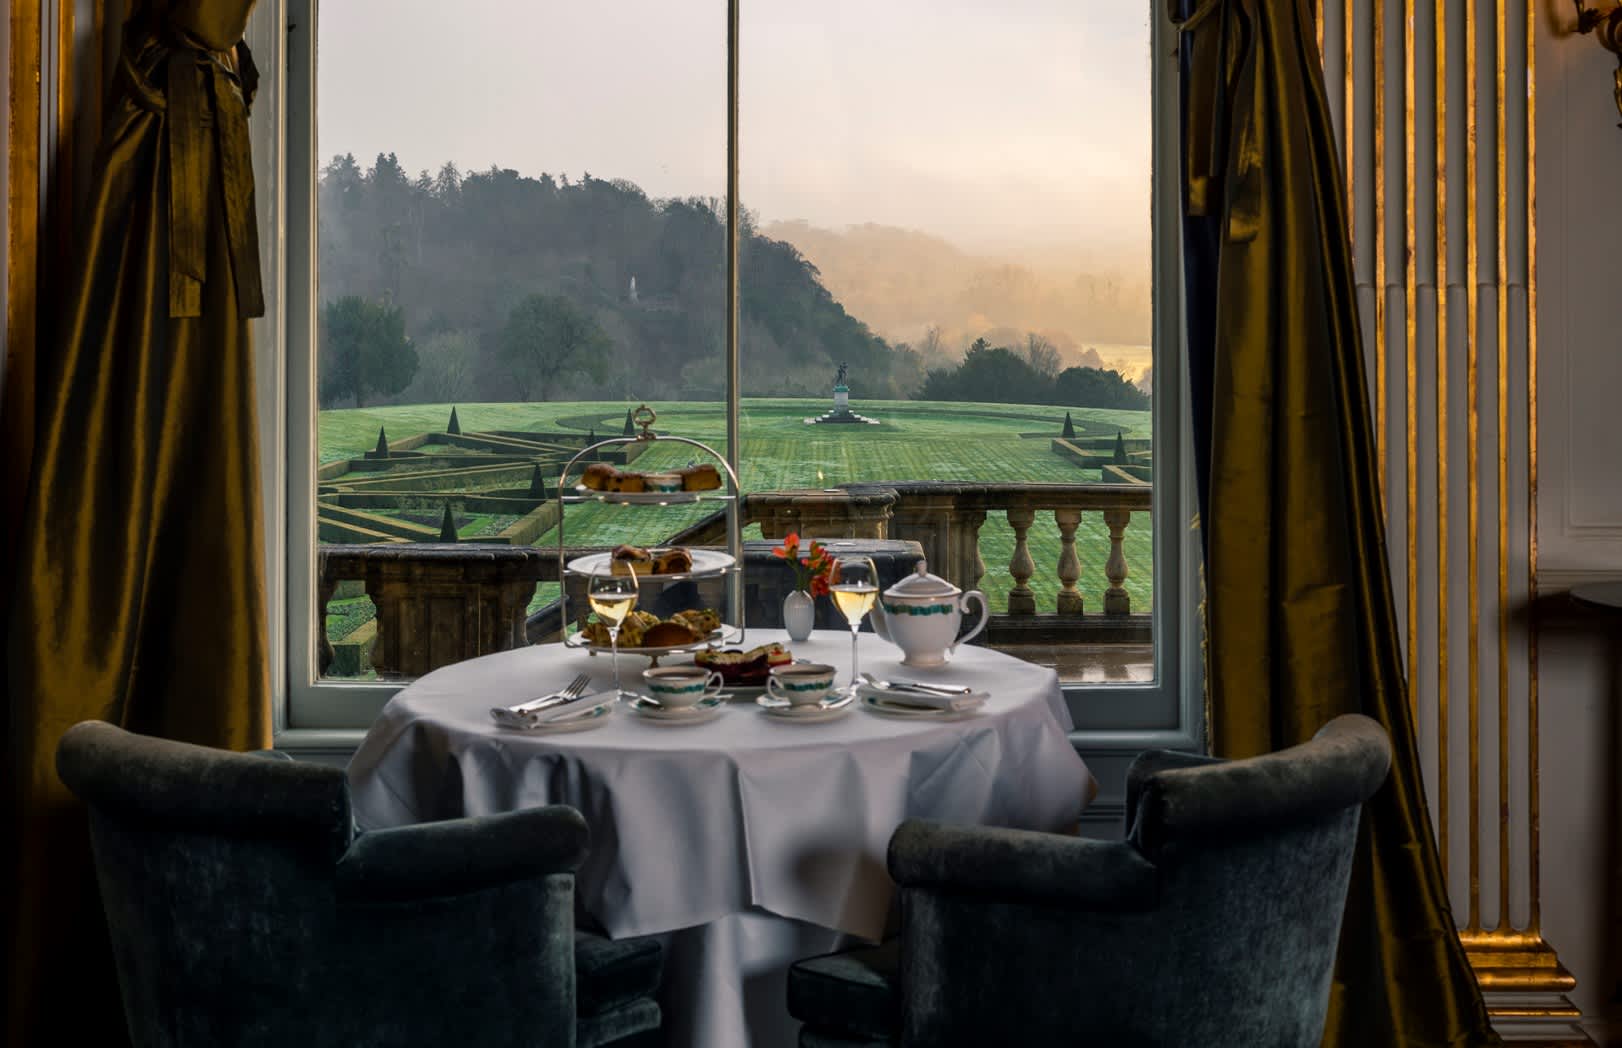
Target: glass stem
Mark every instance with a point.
(614, 657)
(854, 631)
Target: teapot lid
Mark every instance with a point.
(922, 584)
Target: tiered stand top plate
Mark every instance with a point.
(649, 498)
(706, 563)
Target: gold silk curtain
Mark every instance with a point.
(139, 595)
(1299, 615)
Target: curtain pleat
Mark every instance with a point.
(139, 595)
(1300, 624)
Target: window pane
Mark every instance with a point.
(521, 217)
(948, 206)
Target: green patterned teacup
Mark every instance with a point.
(801, 683)
(677, 687)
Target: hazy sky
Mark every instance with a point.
(1019, 127)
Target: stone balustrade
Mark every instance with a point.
(438, 604)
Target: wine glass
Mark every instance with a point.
(612, 597)
(854, 588)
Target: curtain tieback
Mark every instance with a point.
(204, 112)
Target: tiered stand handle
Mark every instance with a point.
(644, 417)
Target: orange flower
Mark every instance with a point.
(812, 572)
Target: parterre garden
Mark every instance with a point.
(917, 441)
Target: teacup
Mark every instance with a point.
(678, 687)
(800, 683)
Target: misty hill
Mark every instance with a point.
(903, 282)
(639, 284)
(457, 253)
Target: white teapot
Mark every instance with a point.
(921, 615)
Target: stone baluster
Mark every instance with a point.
(966, 533)
(1021, 600)
(1116, 599)
(326, 586)
(1070, 602)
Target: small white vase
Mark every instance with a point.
(799, 615)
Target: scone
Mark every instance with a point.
(702, 621)
(668, 635)
(598, 476)
(700, 478)
(629, 483)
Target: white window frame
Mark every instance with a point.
(1114, 722)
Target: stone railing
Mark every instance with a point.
(437, 603)
(946, 517)
(441, 603)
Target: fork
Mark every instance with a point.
(576, 688)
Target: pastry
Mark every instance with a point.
(744, 667)
(662, 482)
(598, 476)
(702, 621)
(636, 627)
(672, 562)
(626, 559)
(668, 635)
(700, 478)
(627, 482)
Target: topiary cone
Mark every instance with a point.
(454, 425)
(382, 449)
(1069, 427)
(537, 483)
(447, 525)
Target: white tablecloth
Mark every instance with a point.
(740, 817)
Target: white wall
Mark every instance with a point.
(1579, 166)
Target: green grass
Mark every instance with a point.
(918, 441)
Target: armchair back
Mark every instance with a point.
(243, 909)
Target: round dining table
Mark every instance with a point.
(744, 842)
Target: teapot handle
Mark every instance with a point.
(985, 616)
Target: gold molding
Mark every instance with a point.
(22, 243)
(1439, 167)
(1519, 972)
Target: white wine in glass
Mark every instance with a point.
(613, 597)
(854, 588)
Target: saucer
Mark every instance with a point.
(781, 709)
(701, 711)
(873, 703)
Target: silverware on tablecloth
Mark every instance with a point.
(950, 690)
(575, 689)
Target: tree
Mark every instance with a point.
(447, 363)
(548, 336)
(1041, 355)
(364, 350)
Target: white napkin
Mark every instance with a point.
(518, 717)
(929, 699)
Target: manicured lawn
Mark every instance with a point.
(918, 441)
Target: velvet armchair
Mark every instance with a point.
(245, 910)
(1213, 923)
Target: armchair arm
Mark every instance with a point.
(1023, 866)
(462, 855)
(1148, 763)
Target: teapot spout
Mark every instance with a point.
(876, 617)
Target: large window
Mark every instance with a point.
(948, 287)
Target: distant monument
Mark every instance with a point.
(842, 412)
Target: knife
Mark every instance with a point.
(933, 689)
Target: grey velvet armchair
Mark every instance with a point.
(1213, 923)
(244, 910)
